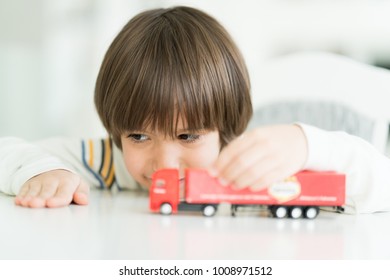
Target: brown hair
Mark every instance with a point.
(167, 63)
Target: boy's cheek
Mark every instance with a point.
(208, 158)
(134, 168)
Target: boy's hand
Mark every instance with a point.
(54, 188)
(262, 156)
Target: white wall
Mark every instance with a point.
(51, 50)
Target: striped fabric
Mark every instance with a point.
(97, 157)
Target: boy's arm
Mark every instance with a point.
(92, 159)
(56, 171)
(20, 161)
(367, 170)
(98, 161)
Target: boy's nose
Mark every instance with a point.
(167, 156)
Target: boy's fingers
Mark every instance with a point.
(31, 191)
(55, 188)
(81, 195)
(36, 202)
(255, 173)
(34, 189)
(23, 191)
(48, 190)
(247, 160)
(230, 152)
(62, 197)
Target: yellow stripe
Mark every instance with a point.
(110, 178)
(107, 159)
(90, 145)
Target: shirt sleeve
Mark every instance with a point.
(97, 160)
(92, 159)
(20, 161)
(367, 170)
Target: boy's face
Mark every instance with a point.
(146, 151)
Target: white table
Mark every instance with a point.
(119, 226)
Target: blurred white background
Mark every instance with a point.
(51, 50)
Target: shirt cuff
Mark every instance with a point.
(319, 147)
(29, 171)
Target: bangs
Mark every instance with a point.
(171, 65)
(161, 100)
(168, 81)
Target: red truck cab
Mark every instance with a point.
(164, 192)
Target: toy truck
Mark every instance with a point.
(298, 196)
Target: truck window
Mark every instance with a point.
(160, 183)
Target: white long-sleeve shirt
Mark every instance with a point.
(367, 170)
(101, 164)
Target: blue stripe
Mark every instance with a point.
(102, 157)
(97, 176)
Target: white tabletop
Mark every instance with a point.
(119, 226)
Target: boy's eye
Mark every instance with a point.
(189, 137)
(138, 137)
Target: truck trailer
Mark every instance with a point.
(298, 196)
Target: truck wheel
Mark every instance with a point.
(209, 210)
(296, 212)
(311, 212)
(166, 209)
(280, 212)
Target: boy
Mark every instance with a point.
(173, 92)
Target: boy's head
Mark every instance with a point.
(171, 64)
